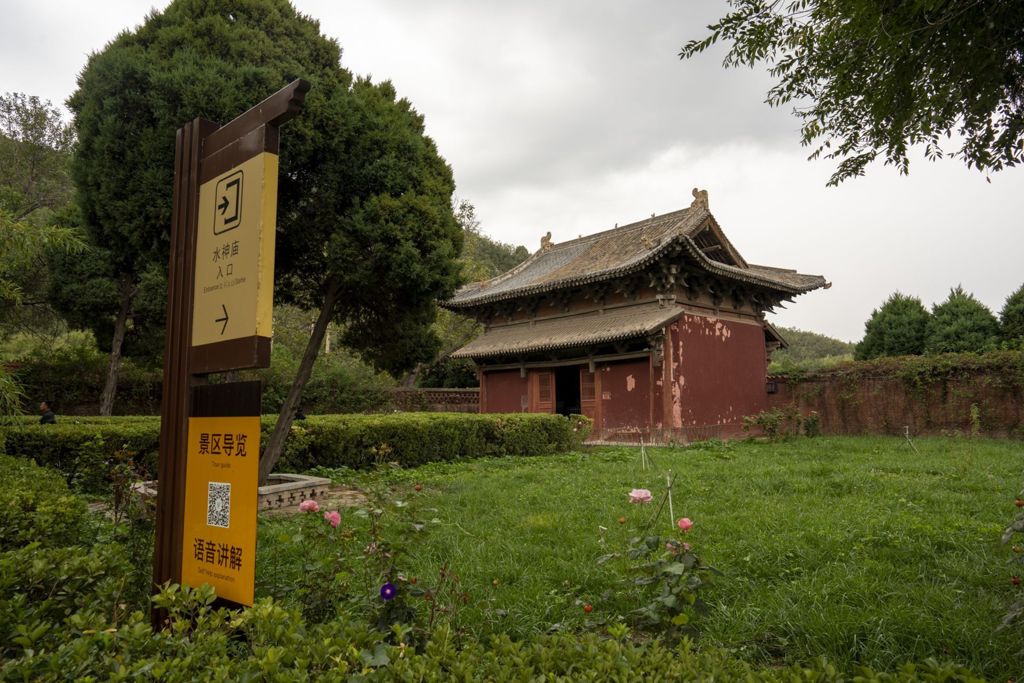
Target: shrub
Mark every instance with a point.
(86, 453)
(71, 377)
(412, 439)
(87, 450)
(36, 507)
(47, 595)
(269, 642)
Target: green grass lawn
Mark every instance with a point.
(859, 549)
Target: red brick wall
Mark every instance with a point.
(437, 400)
(885, 405)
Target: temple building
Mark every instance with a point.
(654, 330)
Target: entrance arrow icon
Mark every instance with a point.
(223, 206)
(224, 319)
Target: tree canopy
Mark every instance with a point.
(35, 147)
(961, 323)
(365, 228)
(870, 79)
(1011, 319)
(898, 328)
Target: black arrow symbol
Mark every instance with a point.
(223, 206)
(224, 319)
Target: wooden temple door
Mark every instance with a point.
(589, 405)
(542, 391)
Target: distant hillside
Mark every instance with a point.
(484, 258)
(809, 350)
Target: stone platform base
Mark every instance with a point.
(284, 490)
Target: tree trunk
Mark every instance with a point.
(409, 379)
(127, 293)
(275, 446)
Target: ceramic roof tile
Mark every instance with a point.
(571, 331)
(620, 251)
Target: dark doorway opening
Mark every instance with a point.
(567, 390)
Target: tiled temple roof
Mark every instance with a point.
(622, 251)
(585, 329)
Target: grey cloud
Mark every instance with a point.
(572, 88)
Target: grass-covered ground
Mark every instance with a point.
(859, 549)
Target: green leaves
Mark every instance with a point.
(961, 324)
(873, 79)
(898, 328)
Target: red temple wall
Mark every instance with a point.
(715, 372)
(502, 391)
(624, 389)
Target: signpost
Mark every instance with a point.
(219, 312)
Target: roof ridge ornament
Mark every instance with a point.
(545, 242)
(700, 199)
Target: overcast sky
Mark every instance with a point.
(574, 116)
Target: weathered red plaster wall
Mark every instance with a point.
(625, 396)
(717, 375)
(502, 392)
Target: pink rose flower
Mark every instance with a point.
(684, 524)
(333, 518)
(309, 506)
(640, 496)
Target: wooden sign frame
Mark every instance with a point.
(203, 151)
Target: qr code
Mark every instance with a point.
(218, 505)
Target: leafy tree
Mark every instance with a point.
(366, 235)
(898, 328)
(34, 148)
(193, 59)
(377, 243)
(35, 145)
(961, 323)
(870, 79)
(1011, 319)
(482, 258)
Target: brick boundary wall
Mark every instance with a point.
(887, 404)
(436, 400)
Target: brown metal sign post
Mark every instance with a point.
(219, 306)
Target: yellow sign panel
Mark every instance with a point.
(234, 278)
(221, 480)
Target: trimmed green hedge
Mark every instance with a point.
(412, 439)
(84, 449)
(85, 453)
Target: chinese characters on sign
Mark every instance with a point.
(223, 257)
(220, 554)
(217, 443)
(234, 272)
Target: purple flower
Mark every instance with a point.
(388, 591)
